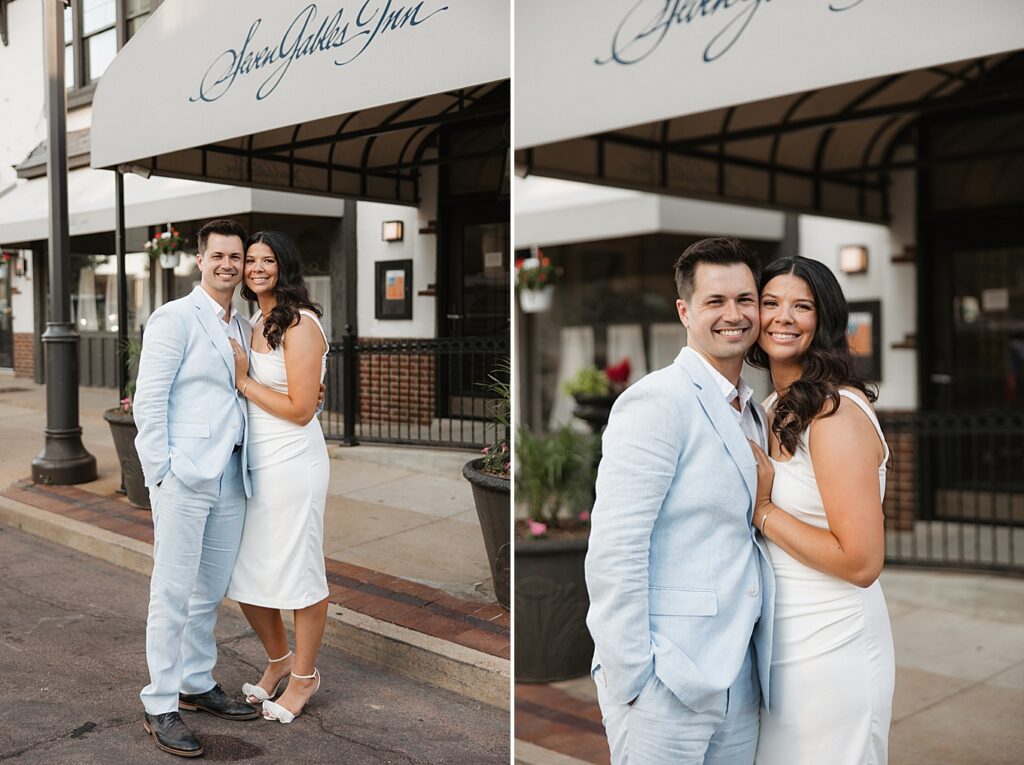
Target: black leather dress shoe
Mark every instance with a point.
(216, 702)
(171, 734)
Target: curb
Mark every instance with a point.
(465, 671)
(531, 754)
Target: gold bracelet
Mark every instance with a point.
(244, 387)
(765, 519)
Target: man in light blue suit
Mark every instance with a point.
(681, 592)
(191, 442)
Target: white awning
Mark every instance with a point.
(591, 66)
(554, 212)
(24, 210)
(323, 98)
(798, 106)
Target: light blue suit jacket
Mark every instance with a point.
(186, 407)
(679, 582)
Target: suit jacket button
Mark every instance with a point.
(752, 590)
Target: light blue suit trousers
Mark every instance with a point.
(197, 535)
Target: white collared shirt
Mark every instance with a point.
(233, 331)
(745, 416)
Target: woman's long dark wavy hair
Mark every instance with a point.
(291, 291)
(828, 363)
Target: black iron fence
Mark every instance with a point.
(955, 489)
(430, 392)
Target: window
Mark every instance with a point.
(94, 30)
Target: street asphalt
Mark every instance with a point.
(72, 662)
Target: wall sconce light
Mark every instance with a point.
(393, 231)
(853, 259)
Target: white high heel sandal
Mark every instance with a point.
(274, 711)
(254, 694)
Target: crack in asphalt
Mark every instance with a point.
(61, 607)
(73, 733)
(406, 757)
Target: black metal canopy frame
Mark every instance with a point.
(828, 151)
(374, 154)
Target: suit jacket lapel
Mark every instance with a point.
(717, 409)
(209, 323)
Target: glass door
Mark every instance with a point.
(6, 328)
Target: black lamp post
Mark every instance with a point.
(64, 459)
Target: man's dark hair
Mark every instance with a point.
(718, 251)
(222, 226)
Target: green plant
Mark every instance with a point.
(554, 473)
(133, 353)
(536, 272)
(589, 381)
(498, 456)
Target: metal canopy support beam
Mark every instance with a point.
(123, 373)
(950, 103)
(444, 118)
(64, 459)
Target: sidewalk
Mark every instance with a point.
(408, 574)
(959, 680)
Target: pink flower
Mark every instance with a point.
(538, 529)
(126, 405)
(585, 516)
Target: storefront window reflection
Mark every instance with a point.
(94, 292)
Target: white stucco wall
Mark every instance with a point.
(22, 119)
(894, 284)
(420, 248)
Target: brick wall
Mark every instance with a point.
(901, 502)
(24, 354)
(397, 387)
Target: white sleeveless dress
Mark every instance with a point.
(280, 561)
(833, 668)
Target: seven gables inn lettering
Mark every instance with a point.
(345, 35)
(648, 22)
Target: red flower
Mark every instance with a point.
(618, 373)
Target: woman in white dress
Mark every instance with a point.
(280, 562)
(819, 507)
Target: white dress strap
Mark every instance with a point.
(864, 407)
(313, 316)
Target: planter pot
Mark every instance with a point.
(492, 497)
(536, 301)
(594, 410)
(170, 260)
(551, 638)
(123, 430)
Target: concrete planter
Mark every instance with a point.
(551, 639)
(123, 430)
(594, 410)
(492, 496)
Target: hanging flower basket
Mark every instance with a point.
(536, 300)
(170, 260)
(535, 282)
(167, 244)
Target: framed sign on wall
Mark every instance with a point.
(864, 330)
(394, 289)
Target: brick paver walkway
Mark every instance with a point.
(549, 717)
(427, 610)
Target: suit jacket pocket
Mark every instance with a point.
(189, 430)
(675, 601)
